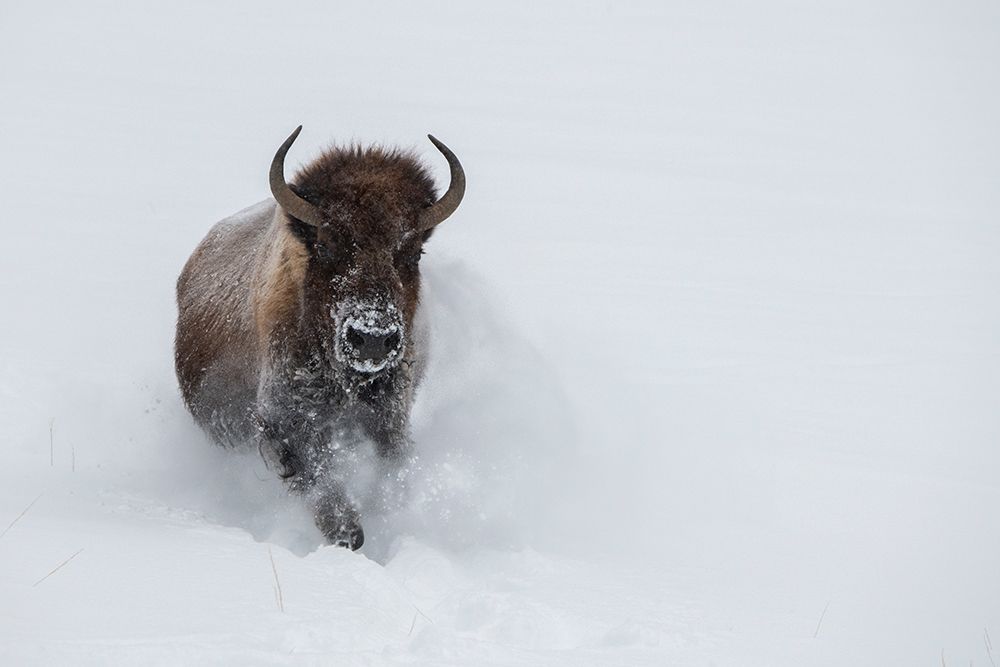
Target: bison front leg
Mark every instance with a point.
(295, 451)
(383, 412)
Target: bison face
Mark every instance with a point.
(360, 294)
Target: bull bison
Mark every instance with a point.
(295, 328)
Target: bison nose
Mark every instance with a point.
(373, 345)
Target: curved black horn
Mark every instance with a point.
(293, 204)
(449, 201)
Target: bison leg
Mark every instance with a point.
(335, 515)
(388, 430)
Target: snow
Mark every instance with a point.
(714, 373)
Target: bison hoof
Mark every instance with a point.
(343, 533)
(351, 537)
(339, 522)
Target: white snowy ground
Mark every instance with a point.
(717, 356)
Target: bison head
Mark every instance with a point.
(363, 216)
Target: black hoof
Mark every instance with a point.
(341, 528)
(351, 537)
(339, 522)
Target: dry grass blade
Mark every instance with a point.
(18, 517)
(277, 584)
(816, 633)
(57, 568)
(413, 624)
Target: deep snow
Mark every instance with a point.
(716, 362)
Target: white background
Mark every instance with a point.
(716, 365)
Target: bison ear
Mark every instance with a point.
(303, 231)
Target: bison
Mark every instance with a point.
(296, 321)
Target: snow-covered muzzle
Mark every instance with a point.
(369, 334)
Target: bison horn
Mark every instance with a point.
(449, 201)
(294, 205)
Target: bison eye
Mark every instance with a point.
(333, 253)
(411, 259)
(304, 232)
